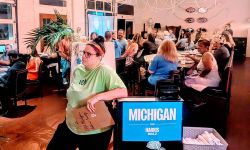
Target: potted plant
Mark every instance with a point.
(50, 34)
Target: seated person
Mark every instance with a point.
(158, 39)
(221, 54)
(206, 73)
(33, 65)
(185, 43)
(163, 63)
(4, 59)
(149, 46)
(16, 64)
(169, 35)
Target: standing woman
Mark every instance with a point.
(92, 82)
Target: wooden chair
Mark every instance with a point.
(17, 88)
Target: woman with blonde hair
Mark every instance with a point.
(163, 63)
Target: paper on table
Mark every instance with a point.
(88, 121)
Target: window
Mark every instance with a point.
(91, 4)
(125, 9)
(107, 6)
(99, 5)
(5, 11)
(46, 21)
(54, 2)
(6, 31)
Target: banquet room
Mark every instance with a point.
(131, 74)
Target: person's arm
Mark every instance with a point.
(106, 96)
(5, 62)
(129, 50)
(196, 60)
(207, 60)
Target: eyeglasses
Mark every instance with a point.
(87, 54)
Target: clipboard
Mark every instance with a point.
(88, 121)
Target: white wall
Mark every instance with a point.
(234, 11)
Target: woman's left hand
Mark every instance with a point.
(90, 104)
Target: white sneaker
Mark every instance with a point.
(65, 82)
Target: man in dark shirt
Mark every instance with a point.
(16, 64)
(221, 55)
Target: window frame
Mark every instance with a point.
(12, 21)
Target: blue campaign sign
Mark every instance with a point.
(152, 121)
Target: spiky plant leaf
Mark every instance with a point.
(51, 33)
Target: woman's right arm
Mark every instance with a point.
(106, 96)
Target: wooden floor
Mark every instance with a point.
(36, 123)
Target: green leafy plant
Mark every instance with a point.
(51, 33)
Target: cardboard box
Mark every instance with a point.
(88, 121)
(193, 132)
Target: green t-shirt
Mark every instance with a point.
(85, 84)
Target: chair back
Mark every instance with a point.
(227, 76)
(18, 82)
(40, 71)
(167, 89)
(120, 65)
